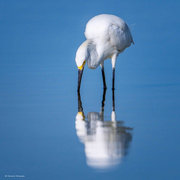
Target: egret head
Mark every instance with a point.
(81, 57)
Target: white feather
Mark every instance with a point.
(107, 36)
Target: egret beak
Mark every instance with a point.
(80, 73)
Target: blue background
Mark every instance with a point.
(38, 80)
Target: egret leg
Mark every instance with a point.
(113, 100)
(113, 114)
(113, 79)
(113, 60)
(103, 75)
(103, 100)
(80, 73)
(103, 104)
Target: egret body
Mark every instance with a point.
(107, 36)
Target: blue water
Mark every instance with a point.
(133, 136)
(40, 140)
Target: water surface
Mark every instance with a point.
(48, 131)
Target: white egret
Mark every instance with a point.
(107, 36)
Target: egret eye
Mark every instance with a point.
(80, 67)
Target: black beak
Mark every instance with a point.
(80, 73)
(80, 108)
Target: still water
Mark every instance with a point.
(48, 131)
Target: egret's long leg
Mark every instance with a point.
(103, 75)
(103, 104)
(113, 100)
(104, 79)
(113, 78)
(113, 114)
(103, 100)
(113, 60)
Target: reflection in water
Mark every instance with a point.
(106, 142)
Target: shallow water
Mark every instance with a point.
(131, 135)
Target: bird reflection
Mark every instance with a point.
(106, 142)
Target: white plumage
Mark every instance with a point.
(107, 36)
